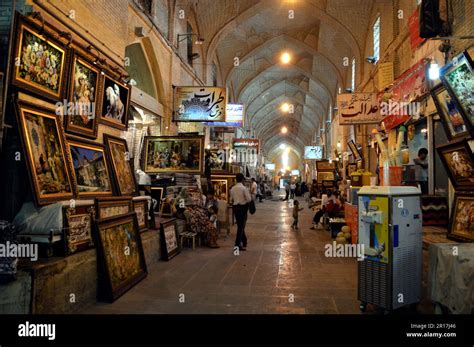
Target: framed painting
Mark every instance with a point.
(351, 168)
(80, 115)
(157, 194)
(221, 189)
(354, 150)
(141, 209)
(458, 161)
(179, 154)
(458, 77)
(107, 207)
(114, 103)
(169, 239)
(461, 227)
(217, 161)
(49, 164)
(325, 165)
(77, 228)
(120, 255)
(41, 61)
(121, 168)
(451, 118)
(326, 176)
(91, 170)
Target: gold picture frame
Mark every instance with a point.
(48, 162)
(40, 62)
(177, 154)
(461, 226)
(114, 104)
(121, 165)
(84, 90)
(89, 171)
(221, 189)
(107, 207)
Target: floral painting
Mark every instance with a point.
(40, 63)
(45, 149)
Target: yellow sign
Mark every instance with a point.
(384, 75)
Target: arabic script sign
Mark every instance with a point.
(246, 144)
(358, 108)
(200, 104)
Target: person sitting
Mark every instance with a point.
(330, 204)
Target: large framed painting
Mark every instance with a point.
(81, 114)
(91, 170)
(183, 154)
(49, 164)
(169, 239)
(39, 62)
(141, 209)
(458, 161)
(112, 206)
(461, 227)
(120, 255)
(451, 118)
(114, 103)
(220, 188)
(77, 228)
(458, 77)
(121, 167)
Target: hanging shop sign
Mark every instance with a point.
(234, 116)
(313, 152)
(397, 103)
(384, 75)
(246, 144)
(358, 108)
(414, 29)
(270, 167)
(200, 104)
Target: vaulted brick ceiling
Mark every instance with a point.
(319, 36)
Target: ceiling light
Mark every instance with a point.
(285, 58)
(285, 107)
(282, 146)
(284, 130)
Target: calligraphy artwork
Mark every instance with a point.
(358, 108)
(200, 104)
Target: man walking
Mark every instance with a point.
(240, 198)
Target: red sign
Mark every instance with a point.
(399, 98)
(414, 28)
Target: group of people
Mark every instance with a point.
(295, 189)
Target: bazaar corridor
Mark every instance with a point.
(282, 271)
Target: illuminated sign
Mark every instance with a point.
(234, 116)
(200, 104)
(313, 152)
(246, 144)
(270, 167)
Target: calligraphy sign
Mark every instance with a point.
(414, 29)
(358, 108)
(246, 144)
(200, 104)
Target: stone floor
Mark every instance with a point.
(282, 271)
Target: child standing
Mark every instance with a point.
(296, 210)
